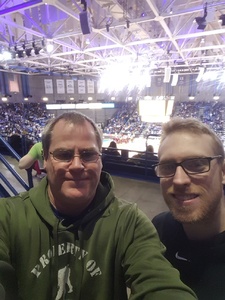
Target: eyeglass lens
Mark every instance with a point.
(68, 155)
(191, 166)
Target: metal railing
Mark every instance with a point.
(18, 178)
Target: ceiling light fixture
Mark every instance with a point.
(49, 47)
(201, 21)
(216, 97)
(222, 19)
(6, 55)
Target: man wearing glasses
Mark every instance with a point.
(71, 238)
(192, 173)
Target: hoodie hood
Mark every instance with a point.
(103, 197)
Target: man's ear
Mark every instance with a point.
(44, 159)
(223, 172)
(44, 164)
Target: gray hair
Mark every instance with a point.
(69, 117)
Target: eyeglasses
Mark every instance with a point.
(190, 166)
(86, 156)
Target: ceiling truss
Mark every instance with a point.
(154, 33)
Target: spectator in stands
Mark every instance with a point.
(192, 173)
(112, 151)
(147, 158)
(70, 237)
(34, 159)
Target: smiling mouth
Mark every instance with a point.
(185, 197)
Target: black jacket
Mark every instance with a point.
(201, 263)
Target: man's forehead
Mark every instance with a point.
(187, 141)
(72, 124)
(184, 134)
(68, 132)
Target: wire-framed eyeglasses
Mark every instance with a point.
(190, 166)
(67, 156)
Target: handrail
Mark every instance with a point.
(3, 192)
(10, 148)
(17, 157)
(14, 173)
(8, 184)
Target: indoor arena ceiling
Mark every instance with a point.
(152, 33)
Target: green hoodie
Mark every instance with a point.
(96, 257)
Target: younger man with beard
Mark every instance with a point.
(192, 173)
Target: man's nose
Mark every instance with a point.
(76, 162)
(180, 176)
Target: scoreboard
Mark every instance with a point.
(155, 111)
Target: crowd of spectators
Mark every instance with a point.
(23, 119)
(28, 120)
(211, 113)
(21, 124)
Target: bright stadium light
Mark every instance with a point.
(124, 75)
(114, 78)
(49, 47)
(5, 55)
(210, 75)
(222, 78)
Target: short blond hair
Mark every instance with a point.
(192, 125)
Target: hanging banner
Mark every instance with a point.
(48, 86)
(70, 86)
(60, 85)
(81, 86)
(159, 81)
(100, 90)
(181, 80)
(90, 86)
(13, 83)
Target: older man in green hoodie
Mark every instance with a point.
(71, 238)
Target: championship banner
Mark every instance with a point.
(159, 81)
(81, 86)
(181, 80)
(60, 85)
(48, 86)
(13, 83)
(99, 90)
(70, 86)
(90, 86)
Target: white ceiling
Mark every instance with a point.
(153, 33)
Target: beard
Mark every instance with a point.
(205, 211)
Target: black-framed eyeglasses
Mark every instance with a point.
(86, 156)
(190, 166)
